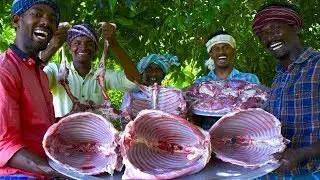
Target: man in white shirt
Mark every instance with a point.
(83, 45)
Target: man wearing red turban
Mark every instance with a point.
(295, 99)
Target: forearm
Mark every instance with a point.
(47, 54)
(311, 151)
(127, 64)
(27, 161)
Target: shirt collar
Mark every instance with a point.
(72, 68)
(233, 73)
(25, 58)
(305, 55)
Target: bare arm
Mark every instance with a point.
(129, 67)
(58, 39)
(291, 157)
(27, 161)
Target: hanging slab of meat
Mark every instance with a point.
(247, 138)
(85, 143)
(159, 145)
(221, 97)
(167, 99)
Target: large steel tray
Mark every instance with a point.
(215, 169)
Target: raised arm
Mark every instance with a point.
(129, 67)
(58, 39)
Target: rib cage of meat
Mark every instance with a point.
(159, 145)
(167, 99)
(222, 97)
(85, 143)
(247, 138)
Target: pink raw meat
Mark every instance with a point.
(247, 138)
(159, 145)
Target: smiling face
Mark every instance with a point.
(223, 55)
(83, 50)
(152, 74)
(279, 38)
(35, 27)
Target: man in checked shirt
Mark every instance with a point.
(295, 99)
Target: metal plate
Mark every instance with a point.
(215, 169)
(75, 175)
(211, 114)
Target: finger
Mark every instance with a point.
(65, 25)
(277, 156)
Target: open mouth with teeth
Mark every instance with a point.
(153, 79)
(275, 45)
(41, 34)
(222, 59)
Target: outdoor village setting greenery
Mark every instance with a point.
(179, 27)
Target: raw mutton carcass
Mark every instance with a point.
(160, 145)
(83, 141)
(221, 97)
(247, 138)
(167, 99)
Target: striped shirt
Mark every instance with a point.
(295, 101)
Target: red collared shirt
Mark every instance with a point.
(26, 109)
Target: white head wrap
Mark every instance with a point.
(221, 38)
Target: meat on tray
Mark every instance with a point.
(85, 143)
(167, 99)
(159, 145)
(222, 97)
(247, 138)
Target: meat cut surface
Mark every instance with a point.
(159, 145)
(167, 99)
(247, 138)
(85, 143)
(222, 97)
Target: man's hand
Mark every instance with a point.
(60, 36)
(290, 157)
(27, 161)
(108, 31)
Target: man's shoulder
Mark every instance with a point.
(203, 78)
(8, 63)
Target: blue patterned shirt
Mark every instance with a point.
(235, 74)
(295, 101)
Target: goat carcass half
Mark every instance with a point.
(222, 97)
(159, 145)
(85, 143)
(167, 99)
(247, 138)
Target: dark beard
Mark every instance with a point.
(34, 46)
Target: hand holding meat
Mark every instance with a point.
(108, 31)
(60, 36)
(290, 158)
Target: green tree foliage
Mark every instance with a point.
(181, 28)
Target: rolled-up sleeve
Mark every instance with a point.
(51, 71)
(117, 80)
(10, 134)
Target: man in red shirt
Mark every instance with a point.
(26, 109)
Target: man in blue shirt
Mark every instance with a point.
(295, 99)
(222, 50)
